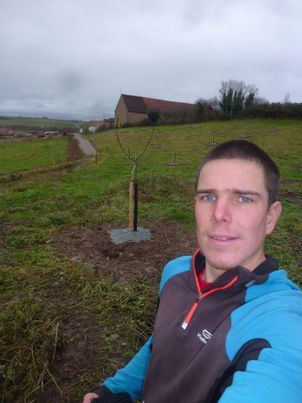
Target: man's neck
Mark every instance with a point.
(211, 273)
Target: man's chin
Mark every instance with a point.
(220, 265)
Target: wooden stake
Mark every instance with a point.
(135, 218)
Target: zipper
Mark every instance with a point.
(191, 312)
(201, 295)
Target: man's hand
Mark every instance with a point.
(88, 398)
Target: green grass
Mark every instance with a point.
(32, 154)
(39, 289)
(42, 123)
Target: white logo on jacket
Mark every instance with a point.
(204, 336)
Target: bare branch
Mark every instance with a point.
(127, 154)
(147, 144)
(134, 158)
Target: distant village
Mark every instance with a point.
(16, 133)
(11, 133)
(34, 133)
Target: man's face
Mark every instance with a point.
(232, 215)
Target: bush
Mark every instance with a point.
(275, 110)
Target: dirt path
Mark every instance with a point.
(85, 145)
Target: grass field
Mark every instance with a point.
(49, 293)
(42, 123)
(32, 154)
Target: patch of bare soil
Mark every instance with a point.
(74, 359)
(123, 261)
(143, 260)
(2, 234)
(291, 197)
(288, 196)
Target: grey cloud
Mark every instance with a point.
(76, 56)
(70, 81)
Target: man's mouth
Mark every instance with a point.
(223, 237)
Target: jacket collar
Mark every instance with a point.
(245, 277)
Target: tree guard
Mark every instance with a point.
(133, 200)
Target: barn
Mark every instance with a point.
(132, 109)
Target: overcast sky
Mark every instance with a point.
(73, 58)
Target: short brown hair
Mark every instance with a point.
(245, 150)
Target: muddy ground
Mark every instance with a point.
(146, 258)
(143, 260)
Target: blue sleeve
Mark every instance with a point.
(271, 378)
(275, 376)
(130, 379)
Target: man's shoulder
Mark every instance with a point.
(174, 267)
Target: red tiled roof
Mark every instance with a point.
(134, 103)
(167, 106)
(144, 105)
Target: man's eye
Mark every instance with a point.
(245, 199)
(207, 197)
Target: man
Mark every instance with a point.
(229, 323)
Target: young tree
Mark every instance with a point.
(235, 97)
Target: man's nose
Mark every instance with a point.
(222, 210)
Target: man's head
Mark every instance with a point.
(245, 150)
(236, 206)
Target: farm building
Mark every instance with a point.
(94, 125)
(109, 123)
(133, 109)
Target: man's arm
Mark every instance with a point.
(262, 383)
(275, 375)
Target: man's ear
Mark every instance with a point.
(272, 217)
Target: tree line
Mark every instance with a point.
(237, 99)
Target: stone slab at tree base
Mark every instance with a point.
(123, 235)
